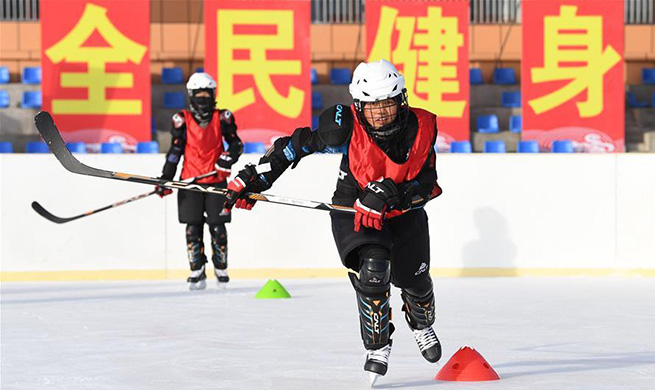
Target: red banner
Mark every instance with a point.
(96, 69)
(427, 41)
(572, 73)
(258, 52)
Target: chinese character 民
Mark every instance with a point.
(257, 64)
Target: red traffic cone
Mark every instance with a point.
(467, 365)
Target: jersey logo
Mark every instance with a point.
(337, 116)
(342, 174)
(227, 115)
(421, 269)
(374, 188)
(178, 121)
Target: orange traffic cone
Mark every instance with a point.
(467, 365)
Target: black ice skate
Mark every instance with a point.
(197, 279)
(428, 343)
(377, 361)
(419, 313)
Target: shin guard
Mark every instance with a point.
(195, 247)
(373, 292)
(219, 246)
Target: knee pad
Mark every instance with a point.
(193, 233)
(218, 233)
(419, 304)
(373, 291)
(195, 247)
(219, 245)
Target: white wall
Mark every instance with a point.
(497, 211)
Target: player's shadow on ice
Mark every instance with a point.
(587, 363)
(494, 249)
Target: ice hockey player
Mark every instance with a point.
(387, 174)
(197, 134)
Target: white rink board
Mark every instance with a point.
(497, 211)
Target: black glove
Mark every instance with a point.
(247, 180)
(224, 163)
(371, 206)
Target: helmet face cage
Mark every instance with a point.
(202, 108)
(389, 130)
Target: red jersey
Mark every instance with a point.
(368, 162)
(203, 148)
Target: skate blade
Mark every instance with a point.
(221, 285)
(201, 285)
(372, 378)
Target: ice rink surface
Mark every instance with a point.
(538, 333)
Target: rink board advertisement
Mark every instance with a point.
(96, 69)
(259, 54)
(427, 41)
(572, 74)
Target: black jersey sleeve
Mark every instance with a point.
(178, 142)
(229, 131)
(424, 187)
(335, 126)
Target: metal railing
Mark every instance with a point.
(19, 10)
(337, 11)
(481, 11)
(639, 11)
(352, 11)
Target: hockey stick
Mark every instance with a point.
(50, 133)
(53, 218)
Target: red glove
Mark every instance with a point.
(248, 178)
(162, 191)
(371, 207)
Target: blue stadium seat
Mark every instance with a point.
(313, 76)
(488, 124)
(254, 147)
(111, 147)
(4, 98)
(6, 147)
(494, 146)
(511, 99)
(340, 76)
(504, 76)
(515, 123)
(36, 147)
(4, 75)
(172, 76)
(200, 69)
(460, 147)
(76, 147)
(314, 122)
(147, 147)
(475, 76)
(562, 146)
(648, 75)
(31, 75)
(633, 102)
(175, 100)
(31, 99)
(317, 100)
(527, 147)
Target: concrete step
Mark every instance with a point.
(511, 140)
(502, 113)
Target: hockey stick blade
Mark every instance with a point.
(51, 217)
(48, 130)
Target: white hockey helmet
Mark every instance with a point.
(375, 81)
(200, 80)
(202, 107)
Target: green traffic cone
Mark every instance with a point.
(272, 289)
